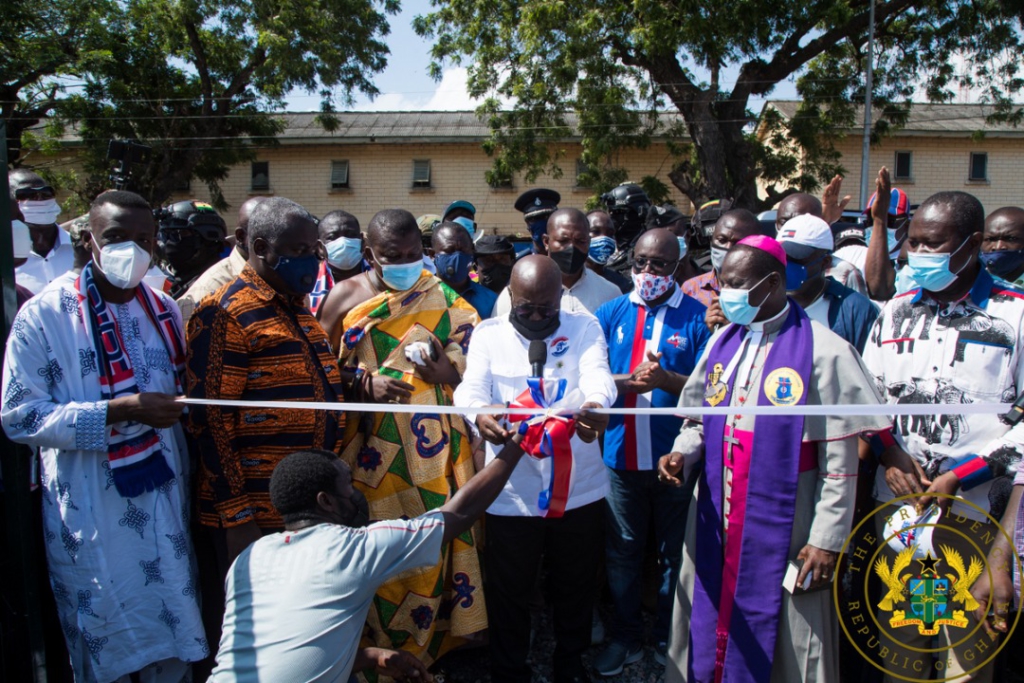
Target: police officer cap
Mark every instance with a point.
(199, 216)
(844, 234)
(537, 203)
(494, 244)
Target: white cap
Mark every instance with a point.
(807, 231)
(22, 239)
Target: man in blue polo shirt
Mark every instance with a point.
(655, 336)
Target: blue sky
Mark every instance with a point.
(405, 84)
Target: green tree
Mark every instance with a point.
(38, 41)
(198, 80)
(609, 66)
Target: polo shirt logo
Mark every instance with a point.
(677, 341)
(559, 346)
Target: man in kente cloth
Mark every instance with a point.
(409, 464)
(786, 494)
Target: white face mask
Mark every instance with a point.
(124, 264)
(40, 212)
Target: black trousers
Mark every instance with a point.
(571, 547)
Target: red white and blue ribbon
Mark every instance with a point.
(548, 435)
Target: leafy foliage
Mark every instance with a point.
(198, 79)
(611, 67)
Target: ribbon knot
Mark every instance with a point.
(548, 434)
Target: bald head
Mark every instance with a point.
(658, 243)
(242, 227)
(569, 218)
(536, 280)
(798, 204)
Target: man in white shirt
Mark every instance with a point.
(52, 254)
(568, 243)
(954, 339)
(523, 523)
(297, 600)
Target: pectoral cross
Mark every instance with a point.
(732, 441)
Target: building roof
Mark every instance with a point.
(931, 120)
(401, 127)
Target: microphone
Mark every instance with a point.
(538, 356)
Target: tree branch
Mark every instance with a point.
(202, 66)
(241, 79)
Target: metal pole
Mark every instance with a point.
(865, 154)
(24, 655)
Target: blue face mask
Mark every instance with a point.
(718, 258)
(932, 271)
(1003, 263)
(345, 253)
(453, 268)
(892, 245)
(601, 249)
(684, 247)
(298, 272)
(736, 305)
(400, 276)
(797, 275)
(467, 223)
(538, 229)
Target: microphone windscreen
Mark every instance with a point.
(538, 352)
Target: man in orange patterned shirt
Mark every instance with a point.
(256, 340)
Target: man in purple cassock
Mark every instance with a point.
(773, 490)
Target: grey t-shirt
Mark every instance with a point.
(297, 600)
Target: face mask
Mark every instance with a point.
(124, 264)
(538, 229)
(736, 305)
(931, 271)
(467, 223)
(892, 244)
(400, 276)
(570, 261)
(40, 212)
(453, 268)
(796, 275)
(718, 258)
(534, 329)
(601, 249)
(1003, 263)
(650, 286)
(345, 253)
(684, 247)
(496, 277)
(298, 273)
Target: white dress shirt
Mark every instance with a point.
(39, 271)
(496, 370)
(586, 296)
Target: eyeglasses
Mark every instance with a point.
(528, 310)
(656, 264)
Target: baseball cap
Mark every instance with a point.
(459, 204)
(899, 202)
(801, 235)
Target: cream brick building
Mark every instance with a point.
(942, 147)
(370, 161)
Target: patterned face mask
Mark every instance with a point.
(650, 286)
(601, 249)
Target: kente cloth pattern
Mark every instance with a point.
(134, 450)
(250, 343)
(408, 464)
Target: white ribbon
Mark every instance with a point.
(697, 411)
